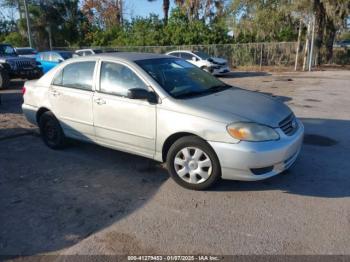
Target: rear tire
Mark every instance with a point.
(193, 164)
(51, 131)
(4, 79)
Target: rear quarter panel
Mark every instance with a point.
(35, 97)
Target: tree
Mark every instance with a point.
(257, 20)
(336, 13)
(166, 6)
(104, 13)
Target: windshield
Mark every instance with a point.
(97, 51)
(202, 55)
(26, 51)
(7, 50)
(66, 55)
(181, 79)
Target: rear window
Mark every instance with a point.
(77, 75)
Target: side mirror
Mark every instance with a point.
(142, 94)
(60, 60)
(194, 58)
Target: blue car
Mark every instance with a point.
(50, 59)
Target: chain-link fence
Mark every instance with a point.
(250, 54)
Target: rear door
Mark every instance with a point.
(71, 96)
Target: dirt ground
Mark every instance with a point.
(90, 200)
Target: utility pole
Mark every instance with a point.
(307, 44)
(298, 45)
(48, 28)
(312, 43)
(28, 24)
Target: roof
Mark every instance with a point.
(24, 47)
(56, 51)
(184, 51)
(132, 56)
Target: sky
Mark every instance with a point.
(133, 8)
(143, 8)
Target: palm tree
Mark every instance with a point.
(166, 6)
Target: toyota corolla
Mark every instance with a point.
(166, 109)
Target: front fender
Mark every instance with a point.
(172, 122)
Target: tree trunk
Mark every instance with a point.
(320, 14)
(166, 5)
(330, 36)
(19, 10)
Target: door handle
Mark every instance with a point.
(55, 93)
(100, 101)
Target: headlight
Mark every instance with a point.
(12, 65)
(247, 131)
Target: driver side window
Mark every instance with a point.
(117, 79)
(186, 56)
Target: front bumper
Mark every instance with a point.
(239, 161)
(27, 73)
(221, 71)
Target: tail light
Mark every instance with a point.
(23, 90)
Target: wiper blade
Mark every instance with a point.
(219, 88)
(191, 94)
(212, 89)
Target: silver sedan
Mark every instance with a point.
(166, 109)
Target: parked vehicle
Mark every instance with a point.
(50, 59)
(13, 66)
(342, 44)
(213, 65)
(86, 52)
(166, 109)
(26, 52)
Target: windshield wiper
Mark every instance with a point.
(190, 94)
(218, 88)
(213, 89)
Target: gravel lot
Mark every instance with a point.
(90, 200)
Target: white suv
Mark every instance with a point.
(89, 51)
(213, 65)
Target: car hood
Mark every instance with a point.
(218, 60)
(16, 58)
(236, 104)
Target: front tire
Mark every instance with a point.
(4, 79)
(51, 131)
(193, 164)
(206, 69)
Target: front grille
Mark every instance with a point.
(24, 64)
(289, 125)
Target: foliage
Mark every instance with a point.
(190, 22)
(344, 36)
(15, 39)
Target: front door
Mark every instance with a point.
(126, 124)
(71, 95)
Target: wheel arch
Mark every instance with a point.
(40, 112)
(173, 138)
